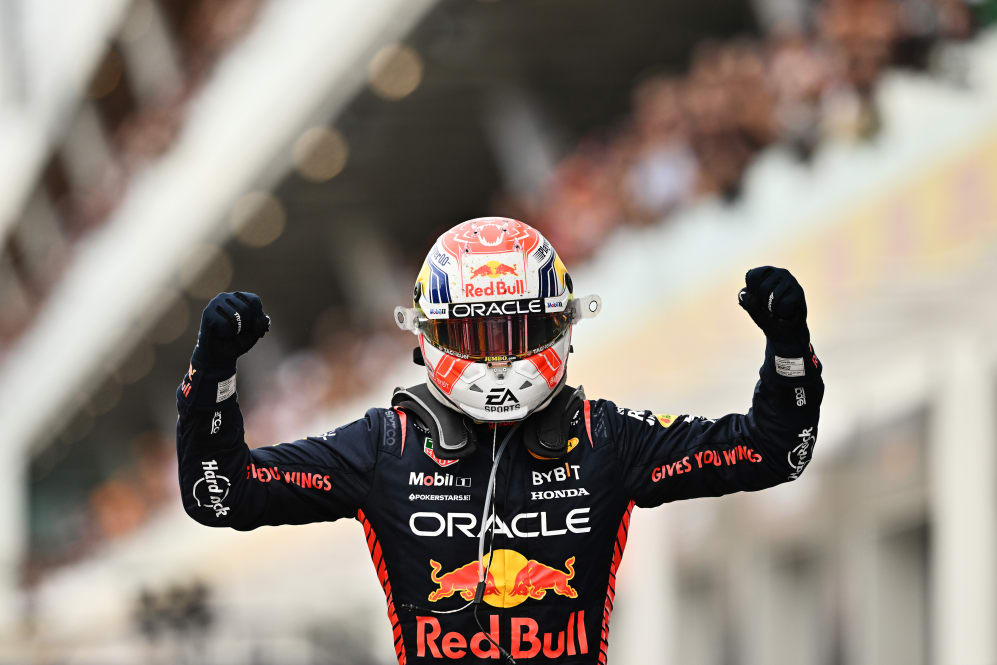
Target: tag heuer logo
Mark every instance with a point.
(427, 448)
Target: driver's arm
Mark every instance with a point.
(665, 458)
(225, 483)
(222, 481)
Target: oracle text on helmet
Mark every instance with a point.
(497, 308)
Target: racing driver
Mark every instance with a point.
(495, 497)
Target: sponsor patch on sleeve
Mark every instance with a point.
(790, 367)
(799, 456)
(226, 389)
(665, 420)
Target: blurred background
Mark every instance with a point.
(155, 152)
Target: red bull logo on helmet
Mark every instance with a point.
(511, 579)
(495, 269)
(517, 288)
(496, 273)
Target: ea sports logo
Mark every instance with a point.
(501, 400)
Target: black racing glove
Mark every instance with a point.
(774, 300)
(230, 325)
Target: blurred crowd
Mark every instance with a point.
(142, 124)
(687, 136)
(65, 529)
(343, 364)
(133, 111)
(695, 135)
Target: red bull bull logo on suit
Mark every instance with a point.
(463, 580)
(512, 579)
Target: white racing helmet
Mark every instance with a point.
(493, 310)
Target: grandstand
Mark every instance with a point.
(310, 151)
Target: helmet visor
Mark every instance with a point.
(497, 338)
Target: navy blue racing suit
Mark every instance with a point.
(560, 525)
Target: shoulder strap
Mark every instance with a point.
(393, 425)
(452, 433)
(546, 433)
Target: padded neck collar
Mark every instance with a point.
(545, 432)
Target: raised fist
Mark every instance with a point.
(774, 300)
(230, 325)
